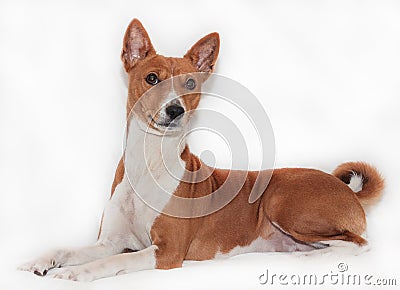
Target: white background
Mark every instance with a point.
(327, 73)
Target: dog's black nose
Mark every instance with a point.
(174, 111)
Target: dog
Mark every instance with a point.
(298, 210)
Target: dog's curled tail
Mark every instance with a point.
(364, 179)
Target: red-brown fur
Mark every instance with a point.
(307, 204)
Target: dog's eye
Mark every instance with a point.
(190, 84)
(152, 79)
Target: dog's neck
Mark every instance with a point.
(148, 153)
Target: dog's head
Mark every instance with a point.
(163, 91)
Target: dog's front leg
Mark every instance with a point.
(69, 257)
(113, 239)
(110, 266)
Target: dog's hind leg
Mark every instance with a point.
(346, 236)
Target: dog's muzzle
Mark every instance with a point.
(170, 116)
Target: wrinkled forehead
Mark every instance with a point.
(164, 67)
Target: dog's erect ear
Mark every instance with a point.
(136, 46)
(204, 53)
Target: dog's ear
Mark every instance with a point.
(136, 46)
(204, 53)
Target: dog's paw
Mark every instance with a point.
(45, 263)
(336, 248)
(40, 266)
(74, 273)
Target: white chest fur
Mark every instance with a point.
(153, 169)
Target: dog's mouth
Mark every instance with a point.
(170, 125)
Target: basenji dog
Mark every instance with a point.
(298, 210)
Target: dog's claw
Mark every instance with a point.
(40, 266)
(36, 272)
